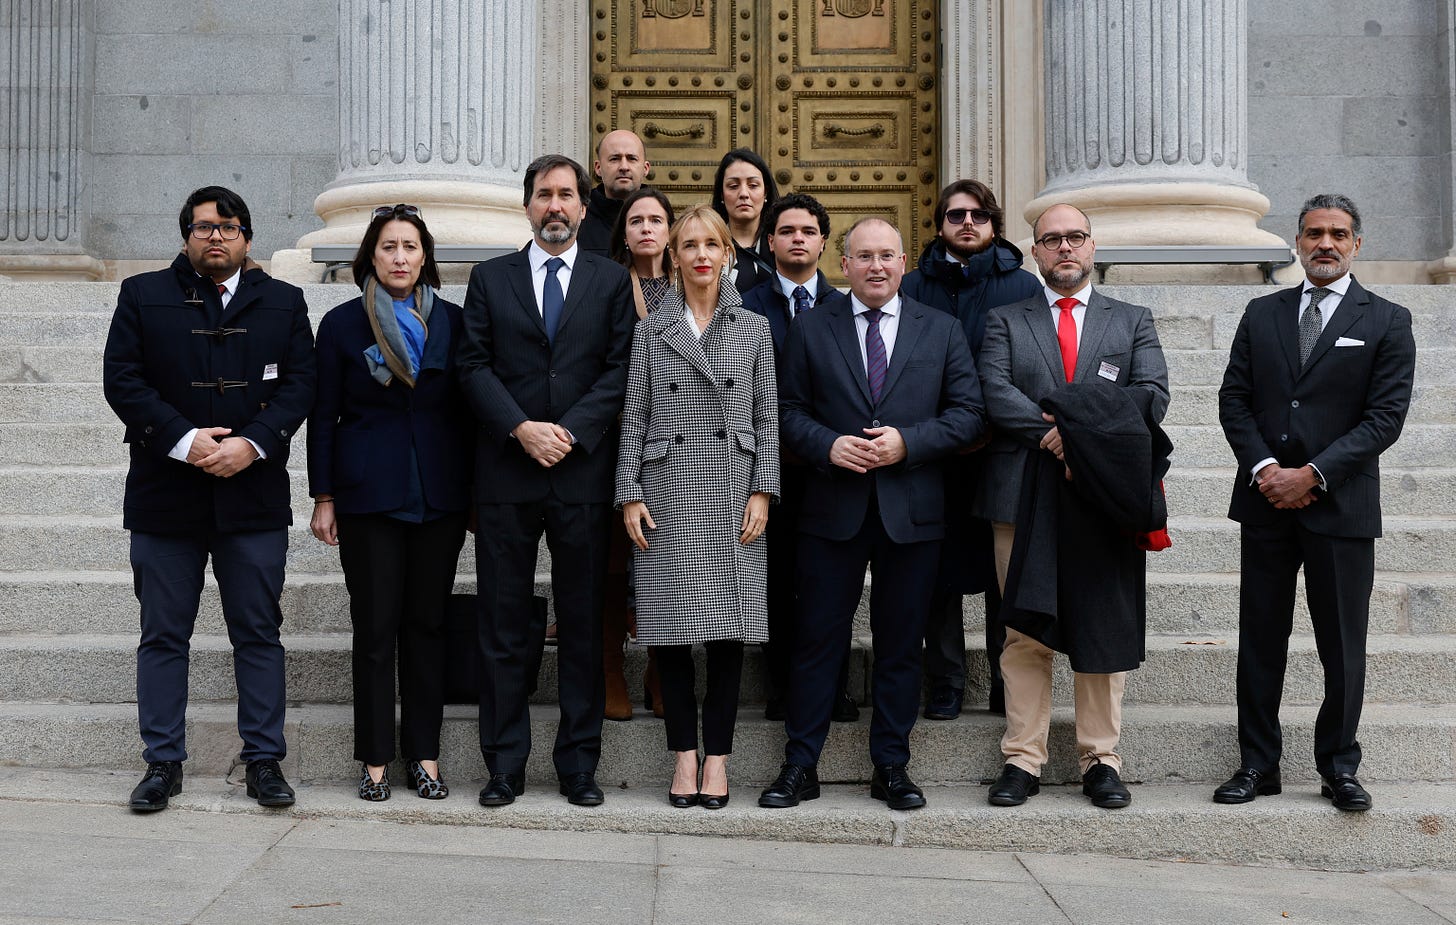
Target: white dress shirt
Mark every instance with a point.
(184, 446)
(788, 286)
(889, 327)
(538, 258)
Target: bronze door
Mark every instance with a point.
(838, 96)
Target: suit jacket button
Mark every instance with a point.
(553, 374)
(672, 386)
(282, 431)
(728, 384)
(1283, 438)
(149, 429)
(874, 423)
(544, 342)
(1294, 404)
(677, 438)
(721, 434)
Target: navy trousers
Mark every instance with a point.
(831, 579)
(167, 571)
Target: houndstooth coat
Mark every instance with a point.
(700, 433)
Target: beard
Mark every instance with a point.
(555, 235)
(1324, 270)
(954, 247)
(1068, 279)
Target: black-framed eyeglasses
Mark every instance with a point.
(959, 216)
(402, 208)
(1053, 242)
(203, 230)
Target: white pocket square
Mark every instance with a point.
(1348, 342)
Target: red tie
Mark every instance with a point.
(1067, 335)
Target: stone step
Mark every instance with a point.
(1403, 492)
(67, 363)
(60, 602)
(31, 542)
(1160, 744)
(1166, 822)
(1179, 670)
(1204, 445)
(1198, 404)
(1434, 366)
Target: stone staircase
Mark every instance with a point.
(68, 623)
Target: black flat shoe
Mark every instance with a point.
(162, 781)
(682, 800)
(712, 801)
(892, 784)
(1345, 792)
(431, 788)
(375, 791)
(1246, 784)
(945, 703)
(1102, 785)
(1012, 786)
(794, 783)
(502, 789)
(845, 709)
(266, 784)
(581, 789)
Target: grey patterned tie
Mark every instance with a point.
(1310, 324)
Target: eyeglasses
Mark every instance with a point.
(400, 209)
(959, 216)
(865, 260)
(204, 230)
(1053, 242)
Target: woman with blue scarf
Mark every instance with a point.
(389, 466)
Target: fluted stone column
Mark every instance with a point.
(1146, 121)
(438, 107)
(45, 75)
(1443, 270)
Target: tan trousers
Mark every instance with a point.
(1026, 669)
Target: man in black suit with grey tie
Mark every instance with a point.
(548, 333)
(1318, 384)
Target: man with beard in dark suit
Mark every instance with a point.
(548, 333)
(1317, 387)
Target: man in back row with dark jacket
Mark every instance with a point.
(966, 271)
(621, 166)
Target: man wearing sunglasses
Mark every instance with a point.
(209, 364)
(965, 272)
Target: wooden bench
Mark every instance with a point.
(1268, 257)
(336, 257)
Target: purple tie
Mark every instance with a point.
(874, 354)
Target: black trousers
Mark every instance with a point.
(1339, 573)
(831, 579)
(399, 577)
(720, 697)
(512, 632)
(167, 574)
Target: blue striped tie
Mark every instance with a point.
(875, 362)
(553, 300)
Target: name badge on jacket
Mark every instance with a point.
(270, 372)
(1108, 371)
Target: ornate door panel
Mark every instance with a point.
(838, 96)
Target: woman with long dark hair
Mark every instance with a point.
(742, 189)
(389, 470)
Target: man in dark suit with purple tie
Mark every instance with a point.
(1317, 387)
(877, 392)
(543, 365)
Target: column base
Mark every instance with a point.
(51, 267)
(1443, 270)
(456, 211)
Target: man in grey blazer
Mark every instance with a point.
(1318, 384)
(1067, 333)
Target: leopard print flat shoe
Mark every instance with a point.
(431, 788)
(370, 789)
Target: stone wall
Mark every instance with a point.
(243, 93)
(1351, 96)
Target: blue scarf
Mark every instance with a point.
(400, 332)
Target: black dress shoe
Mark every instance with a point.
(682, 800)
(266, 784)
(1104, 787)
(580, 789)
(892, 784)
(162, 781)
(1012, 786)
(1345, 792)
(502, 789)
(794, 783)
(944, 703)
(712, 800)
(1246, 784)
(845, 709)
(773, 710)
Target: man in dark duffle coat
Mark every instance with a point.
(1317, 387)
(877, 391)
(543, 365)
(209, 364)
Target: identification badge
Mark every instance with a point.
(271, 371)
(1106, 371)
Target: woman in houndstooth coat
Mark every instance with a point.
(699, 465)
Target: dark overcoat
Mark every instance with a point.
(176, 360)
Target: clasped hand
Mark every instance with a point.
(543, 441)
(883, 447)
(219, 455)
(1287, 489)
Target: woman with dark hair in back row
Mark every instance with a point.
(389, 467)
(743, 189)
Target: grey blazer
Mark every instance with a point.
(1020, 364)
